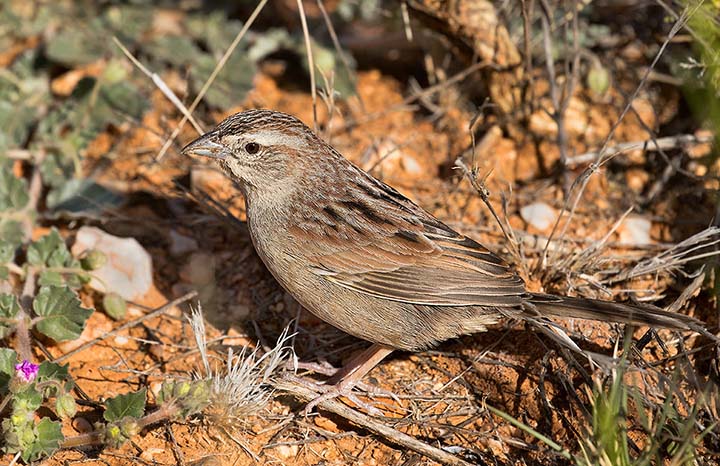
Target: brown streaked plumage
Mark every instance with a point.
(361, 256)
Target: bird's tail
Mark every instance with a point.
(640, 314)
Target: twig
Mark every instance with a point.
(157, 80)
(177, 452)
(161, 310)
(582, 180)
(211, 79)
(479, 186)
(560, 99)
(311, 62)
(394, 436)
(34, 192)
(527, 8)
(406, 21)
(529, 430)
(675, 256)
(15, 459)
(22, 329)
(666, 143)
(28, 292)
(164, 412)
(18, 154)
(338, 47)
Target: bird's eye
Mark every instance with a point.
(252, 148)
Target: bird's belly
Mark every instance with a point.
(394, 323)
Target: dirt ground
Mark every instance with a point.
(441, 394)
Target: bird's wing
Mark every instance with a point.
(384, 245)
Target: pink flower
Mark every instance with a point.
(26, 370)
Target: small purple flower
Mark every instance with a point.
(26, 371)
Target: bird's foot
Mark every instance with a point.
(342, 381)
(332, 391)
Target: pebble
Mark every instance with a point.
(287, 451)
(199, 269)
(82, 425)
(121, 340)
(128, 271)
(181, 244)
(635, 230)
(539, 215)
(149, 454)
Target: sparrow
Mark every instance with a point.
(366, 259)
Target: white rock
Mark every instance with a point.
(181, 244)
(199, 269)
(539, 215)
(128, 271)
(635, 230)
(121, 340)
(287, 451)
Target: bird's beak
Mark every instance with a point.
(207, 146)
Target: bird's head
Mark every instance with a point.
(262, 149)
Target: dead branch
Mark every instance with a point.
(666, 143)
(394, 436)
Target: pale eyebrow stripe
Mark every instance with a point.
(276, 138)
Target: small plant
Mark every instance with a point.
(54, 310)
(239, 390)
(669, 435)
(236, 393)
(26, 387)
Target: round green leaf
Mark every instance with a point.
(63, 317)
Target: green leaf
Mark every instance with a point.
(16, 122)
(326, 61)
(13, 190)
(8, 359)
(11, 231)
(176, 50)
(9, 308)
(56, 169)
(49, 278)
(117, 100)
(49, 248)
(82, 197)
(76, 46)
(27, 400)
(214, 29)
(24, 21)
(269, 42)
(129, 21)
(231, 84)
(47, 441)
(121, 406)
(52, 371)
(7, 252)
(51, 251)
(63, 317)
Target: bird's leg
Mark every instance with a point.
(342, 382)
